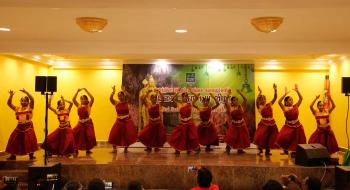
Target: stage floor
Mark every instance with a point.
(165, 170)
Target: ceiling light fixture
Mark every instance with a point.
(266, 24)
(91, 24)
(181, 30)
(332, 55)
(36, 57)
(5, 29)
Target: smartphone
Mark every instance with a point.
(108, 184)
(10, 180)
(192, 169)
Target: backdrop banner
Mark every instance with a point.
(138, 79)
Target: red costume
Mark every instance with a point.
(212, 187)
(184, 135)
(324, 135)
(237, 134)
(267, 131)
(207, 132)
(84, 133)
(22, 140)
(61, 141)
(292, 132)
(123, 132)
(153, 135)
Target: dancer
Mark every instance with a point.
(292, 132)
(84, 133)
(123, 132)
(22, 140)
(267, 131)
(184, 136)
(61, 141)
(323, 134)
(207, 132)
(237, 134)
(153, 135)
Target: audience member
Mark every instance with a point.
(135, 185)
(73, 185)
(311, 183)
(204, 179)
(96, 184)
(272, 185)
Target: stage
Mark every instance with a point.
(165, 170)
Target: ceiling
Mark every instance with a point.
(144, 29)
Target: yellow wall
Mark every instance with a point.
(17, 74)
(337, 71)
(99, 83)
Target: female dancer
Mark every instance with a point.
(266, 133)
(123, 132)
(22, 140)
(292, 132)
(153, 135)
(207, 132)
(323, 134)
(84, 133)
(61, 141)
(237, 135)
(184, 136)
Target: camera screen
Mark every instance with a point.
(108, 185)
(10, 180)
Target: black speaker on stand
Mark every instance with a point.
(45, 176)
(312, 155)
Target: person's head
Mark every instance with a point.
(320, 106)
(206, 101)
(234, 101)
(61, 105)
(204, 177)
(261, 100)
(96, 184)
(184, 97)
(153, 98)
(73, 185)
(121, 96)
(24, 101)
(272, 185)
(135, 185)
(288, 101)
(311, 183)
(84, 100)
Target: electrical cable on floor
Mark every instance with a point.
(325, 170)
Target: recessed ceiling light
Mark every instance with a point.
(322, 59)
(47, 55)
(5, 29)
(181, 30)
(36, 57)
(51, 62)
(272, 62)
(18, 55)
(332, 55)
(273, 30)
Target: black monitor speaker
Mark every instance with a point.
(345, 85)
(44, 177)
(46, 84)
(342, 177)
(312, 155)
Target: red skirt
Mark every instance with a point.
(123, 133)
(237, 136)
(290, 137)
(265, 135)
(326, 137)
(61, 141)
(207, 134)
(22, 140)
(184, 137)
(84, 136)
(153, 135)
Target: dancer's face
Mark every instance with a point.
(320, 106)
(184, 97)
(24, 101)
(262, 100)
(234, 101)
(154, 99)
(61, 105)
(289, 102)
(121, 96)
(84, 100)
(206, 102)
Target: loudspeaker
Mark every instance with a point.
(342, 177)
(311, 155)
(345, 83)
(46, 84)
(44, 176)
